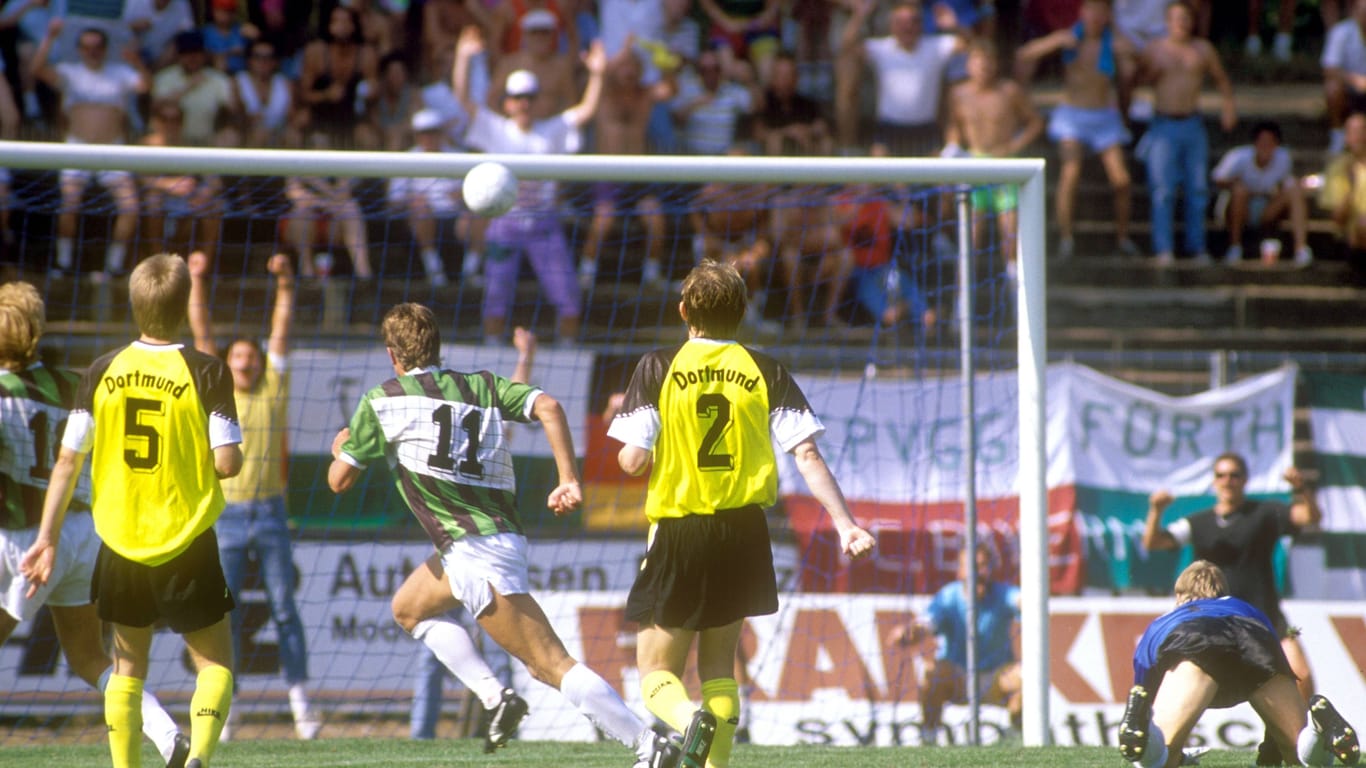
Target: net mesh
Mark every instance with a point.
(853, 287)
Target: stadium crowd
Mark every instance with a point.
(708, 77)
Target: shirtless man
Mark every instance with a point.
(95, 96)
(538, 55)
(1176, 147)
(622, 120)
(992, 117)
(1098, 66)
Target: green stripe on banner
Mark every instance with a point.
(1336, 470)
(1337, 431)
(1336, 390)
(1344, 550)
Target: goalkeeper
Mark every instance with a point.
(706, 414)
(1214, 650)
(443, 434)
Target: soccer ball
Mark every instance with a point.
(489, 189)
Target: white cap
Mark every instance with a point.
(539, 18)
(427, 120)
(522, 83)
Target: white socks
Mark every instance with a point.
(1156, 752)
(451, 644)
(157, 724)
(600, 703)
(113, 257)
(1312, 748)
(65, 248)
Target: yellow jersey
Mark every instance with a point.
(150, 415)
(711, 412)
(261, 413)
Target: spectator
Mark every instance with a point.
(1216, 651)
(338, 79)
(732, 224)
(318, 208)
(95, 98)
(680, 33)
(225, 38)
(540, 56)
(1259, 186)
(946, 679)
(203, 93)
(442, 22)
(29, 19)
(1332, 11)
(994, 118)
(377, 27)
(1285, 26)
(254, 523)
(1141, 21)
(1344, 185)
(1098, 64)
(813, 256)
(790, 123)
(532, 228)
(430, 204)
(626, 22)
(621, 126)
(264, 99)
(158, 24)
(1176, 147)
(395, 104)
(711, 102)
(744, 30)
(909, 69)
(1344, 71)
(1241, 536)
(505, 24)
(172, 201)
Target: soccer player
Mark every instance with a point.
(161, 424)
(34, 404)
(443, 433)
(705, 414)
(1214, 650)
(254, 520)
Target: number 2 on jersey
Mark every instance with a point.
(715, 407)
(444, 419)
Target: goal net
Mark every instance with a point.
(856, 270)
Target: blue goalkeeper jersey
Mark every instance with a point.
(1145, 656)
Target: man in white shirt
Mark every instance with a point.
(1259, 187)
(909, 67)
(1344, 71)
(429, 203)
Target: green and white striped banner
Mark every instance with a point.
(1337, 416)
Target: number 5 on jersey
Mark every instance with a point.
(141, 439)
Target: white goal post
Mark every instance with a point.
(1028, 174)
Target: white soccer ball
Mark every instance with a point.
(489, 189)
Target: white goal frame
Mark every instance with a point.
(1030, 284)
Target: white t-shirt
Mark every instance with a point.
(441, 193)
(558, 135)
(618, 19)
(1142, 21)
(111, 85)
(1240, 164)
(909, 82)
(166, 23)
(1345, 49)
(275, 110)
(439, 98)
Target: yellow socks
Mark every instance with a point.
(209, 710)
(123, 718)
(721, 697)
(667, 699)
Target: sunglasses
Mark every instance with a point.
(1228, 475)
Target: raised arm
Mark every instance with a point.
(201, 322)
(42, 67)
(854, 541)
(282, 317)
(595, 60)
(1155, 537)
(851, 38)
(1029, 55)
(471, 44)
(1304, 507)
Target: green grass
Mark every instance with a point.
(467, 752)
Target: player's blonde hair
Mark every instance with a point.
(714, 298)
(22, 323)
(1201, 579)
(159, 290)
(410, 332)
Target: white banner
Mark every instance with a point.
(325, 387)
(823, 671)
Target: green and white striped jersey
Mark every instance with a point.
(34, 403)
(444, 435)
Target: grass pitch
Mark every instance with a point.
(383, 752)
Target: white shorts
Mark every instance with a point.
(475, 563)
(69, 584)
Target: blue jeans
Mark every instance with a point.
(261, 527)
(1176, 153)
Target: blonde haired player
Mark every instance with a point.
(160, 423)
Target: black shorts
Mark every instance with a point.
(909, 140)
(705, 571)
(1240, 654)
(188, 592)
